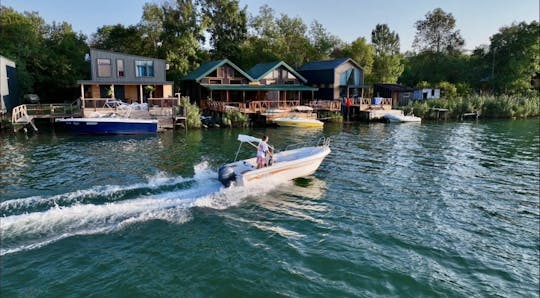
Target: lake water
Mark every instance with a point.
(431, 209)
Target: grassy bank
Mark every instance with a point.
(503, 106)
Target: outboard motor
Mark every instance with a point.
(226, 175)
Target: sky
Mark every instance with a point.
(477, 20)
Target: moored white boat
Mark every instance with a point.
(297, 121)
(286, 165)
(402, 118)
(109, 125)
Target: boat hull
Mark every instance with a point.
(298, 122)
(286, 167)
(109, 126)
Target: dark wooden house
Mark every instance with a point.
(335, 79)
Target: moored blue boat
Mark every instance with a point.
(109, 125)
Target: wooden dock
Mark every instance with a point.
(24, 115)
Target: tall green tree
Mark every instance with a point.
(275, 38)
(49, 58)
(227, 26)
(181, 37)
(436, 33)
(515, 57)
(63, 62)
(384, 40)
(388, 62)
(151, 28)
(21, 36)
(323, 41)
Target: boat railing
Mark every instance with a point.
(321, 142)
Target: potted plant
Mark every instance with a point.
(150, 90)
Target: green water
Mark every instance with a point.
(432, 209)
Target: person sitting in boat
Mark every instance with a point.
(262, 152)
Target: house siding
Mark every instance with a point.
(129, 68)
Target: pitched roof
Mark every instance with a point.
(245, 87)
(260, 70)
(209, 67)
(327, 64)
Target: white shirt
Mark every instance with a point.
(262, 149)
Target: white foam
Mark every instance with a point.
(154, 182)
(36, 229)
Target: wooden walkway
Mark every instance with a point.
(24, 115)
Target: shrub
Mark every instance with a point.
(235, 118)
(193, 114)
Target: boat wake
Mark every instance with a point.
(33, 222)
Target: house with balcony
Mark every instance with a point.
(125, 77)
(221, 83)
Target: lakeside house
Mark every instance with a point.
(335, 79)
(125, 77)
(9, 87)
(224, 82)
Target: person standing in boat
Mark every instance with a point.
(263, 152)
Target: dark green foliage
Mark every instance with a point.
(234, 118)
(49, 58)
(503, 106)
(515, 57)
(193, 114)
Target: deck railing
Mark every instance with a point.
(325, 105)
(259, 106)
(52, 110)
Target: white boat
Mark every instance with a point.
(402, 118)
(286, 165)
(297, 121)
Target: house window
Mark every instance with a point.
(104, 68)
(230, 72)
(120, 68)
(144, 68)
(235, 82)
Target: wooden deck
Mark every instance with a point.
(24, 115)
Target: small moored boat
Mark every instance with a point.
(109, 125)
(286, 165)
(402, 118)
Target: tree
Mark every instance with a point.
(385, 41)
(276, 39)
(515, 54)
(323, 42)
(22, 41)
(181, 37)
(49, 58)
(436, 33)
(227, 25)
(118, 38)
(151, 27)
(361, 52)
(388, 63)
